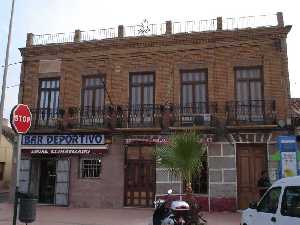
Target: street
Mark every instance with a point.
(48, 215)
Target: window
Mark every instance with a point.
(1, 170)
(194, 91)
(49, 94)
(93, 92)
(249, 93)
(291, 202)
(48, 100)
(90, 168)
(199, 180)
(141, 98)
(269, 203)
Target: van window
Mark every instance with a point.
(291, 202)
(269, 203)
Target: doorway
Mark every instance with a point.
(139, 176)
(47, 181)
(251, 161)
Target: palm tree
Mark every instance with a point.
(183, 156)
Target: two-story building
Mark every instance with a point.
(102, 100)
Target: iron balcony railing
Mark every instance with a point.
(128, 116)
(47, 117)
(251, 112)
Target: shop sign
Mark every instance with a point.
(64, 151)
(63, 139)
(287, 146)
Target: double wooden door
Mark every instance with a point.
(251, 161)
(139, 177)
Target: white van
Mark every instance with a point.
(280, 205)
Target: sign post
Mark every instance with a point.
(20, 119)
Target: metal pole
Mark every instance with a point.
(16, 201)
(6, 66)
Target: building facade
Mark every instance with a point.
(103, 100)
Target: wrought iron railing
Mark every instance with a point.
(53, 38)
(251, 112)
(250, 22)
(47, 118)
(99, 34)
(150, 29)
(128, 116)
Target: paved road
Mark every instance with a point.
(47, 215)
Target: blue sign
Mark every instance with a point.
(288, 148)
(63, 139)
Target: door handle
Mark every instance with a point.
(273, 219)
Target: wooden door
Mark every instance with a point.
(251, 161)
(139, 177)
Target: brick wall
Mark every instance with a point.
(219, 52)
(94, 192)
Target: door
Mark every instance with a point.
(47, 181)
(139, 177)
(62, 182)
(249, 94)
(251, 161)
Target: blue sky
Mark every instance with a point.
(53, 16)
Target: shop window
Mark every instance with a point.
(1, 170)
(200, 179)
(90, 168)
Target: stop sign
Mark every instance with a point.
(20, 118)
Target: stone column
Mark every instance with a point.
(219, 23)
(169, 27)
(29, 40)
(280, 21)
(121, 31)
(77, 36)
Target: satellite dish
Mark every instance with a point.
(281, 123)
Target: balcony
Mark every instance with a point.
(261, 112)
(137, 116)
(47, 118)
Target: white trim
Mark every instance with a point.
(220, 156)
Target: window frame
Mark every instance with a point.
(94, 88)
(49, 90)
(194, 83)
(81, 160)
(142, 85)
(282, 201)
(248, 80)
(264, 197)
(207, 177)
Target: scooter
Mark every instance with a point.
(168, 212)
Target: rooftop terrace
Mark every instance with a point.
(167, 28)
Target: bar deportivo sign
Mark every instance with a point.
(63, 139)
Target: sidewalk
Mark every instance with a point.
(48, 215)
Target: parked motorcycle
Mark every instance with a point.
(168, 212)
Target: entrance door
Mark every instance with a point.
(139, 177)
(251, 161)
(47, 181)
(62, 182)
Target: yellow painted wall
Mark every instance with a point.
(6, 150)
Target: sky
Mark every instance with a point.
(56, 16)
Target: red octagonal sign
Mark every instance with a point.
(21, 118)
